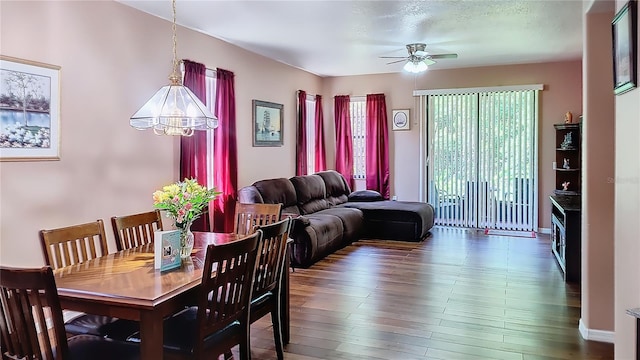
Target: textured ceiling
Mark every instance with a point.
(339, 38)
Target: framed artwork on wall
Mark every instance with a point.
(268, 120)
(29, 110)
(401, 119)
(625, 51)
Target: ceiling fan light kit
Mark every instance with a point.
(419, 59)
(415, 66)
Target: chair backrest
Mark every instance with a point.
(74, 244)
(227, 283)
(135, 230)
(271, 257)
(249, 215)
(29, 297)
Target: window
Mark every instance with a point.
(211, 105)
(358, 114)
(311, 133)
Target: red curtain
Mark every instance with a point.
(225, 155)
(321, 162)
(377, 148)
(344, 146)
(193, 149)
(301, 140)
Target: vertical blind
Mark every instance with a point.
(482, 147)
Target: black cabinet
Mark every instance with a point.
(566, 235)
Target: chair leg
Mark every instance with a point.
(277, 328)
(245, 343)
(228, 355)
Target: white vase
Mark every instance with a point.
(186, 241)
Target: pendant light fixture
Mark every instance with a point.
(174, 109)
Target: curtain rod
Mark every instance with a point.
(478, 89)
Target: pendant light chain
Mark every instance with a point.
(175, 78)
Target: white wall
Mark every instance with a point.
(627, 215)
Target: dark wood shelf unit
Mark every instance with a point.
(566, 235)
(571, 152)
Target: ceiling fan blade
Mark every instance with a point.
(443, 56)
(397, 61)
(429, 61)
(392, 57)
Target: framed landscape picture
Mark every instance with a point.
(268, 122)
(29, 110)
(625, 52)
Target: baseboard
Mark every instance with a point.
(544, 230)
(596, 335)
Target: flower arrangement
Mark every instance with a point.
(184, 201)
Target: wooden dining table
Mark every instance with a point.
(126, 285)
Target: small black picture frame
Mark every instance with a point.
(625, 51)
(268, 121)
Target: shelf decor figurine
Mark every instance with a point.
(568, 117)
(565, 164)
(565, 185)
(567, 142)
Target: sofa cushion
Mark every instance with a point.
(395, 220)
(352, 221)
(365, 196)
(336, 187)
(311, 193)
(279, 191)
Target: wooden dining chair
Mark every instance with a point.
(73, 245)
(31, 325)
(249, 215)
(221, 318)
(135, 230)
(268, 278)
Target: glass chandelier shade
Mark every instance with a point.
(415, 66)
(174, 109)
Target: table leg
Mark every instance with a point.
(637, 338)
(151, 336)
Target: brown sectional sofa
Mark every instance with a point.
(328, 216)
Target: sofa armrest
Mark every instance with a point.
(299, 219)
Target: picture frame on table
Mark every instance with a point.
(29, 110)
(268, 123)
(166, 249)
(625, 48)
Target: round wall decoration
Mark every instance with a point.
(401, 119)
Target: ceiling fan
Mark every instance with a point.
(418, 59)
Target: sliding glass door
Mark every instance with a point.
(482, 151)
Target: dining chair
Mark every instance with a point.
(73, 245)
(268, 278)
(136, 229)
(31, 324)
(249, 215)
(221, 319)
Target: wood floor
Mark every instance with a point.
(459, 294)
